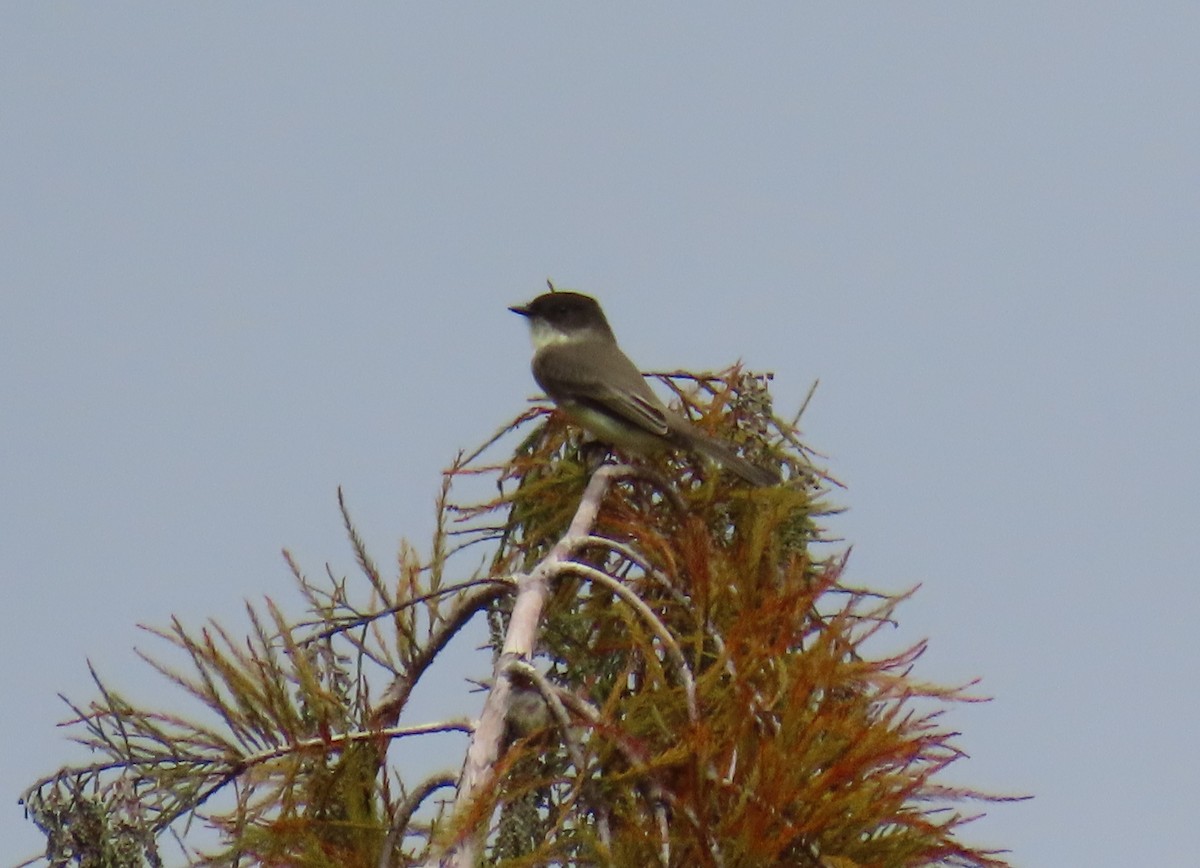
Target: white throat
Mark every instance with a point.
(543, 334)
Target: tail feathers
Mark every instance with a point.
(724, 455)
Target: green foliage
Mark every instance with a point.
(709, 695)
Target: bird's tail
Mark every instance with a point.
(723, 454)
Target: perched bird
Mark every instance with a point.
(577, 363)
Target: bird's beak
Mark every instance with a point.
(521, 309)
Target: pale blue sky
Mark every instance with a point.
(252, 253)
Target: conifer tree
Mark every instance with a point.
(681, 676)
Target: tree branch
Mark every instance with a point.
(533, 589)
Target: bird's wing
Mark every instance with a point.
(621, 391)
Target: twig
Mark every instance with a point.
(655, 623)
(404, 813)
(351, 623)
(551, 694)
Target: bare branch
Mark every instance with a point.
(655, 623)
(404, 813)
(532, 591)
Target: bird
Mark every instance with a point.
(577, 362)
